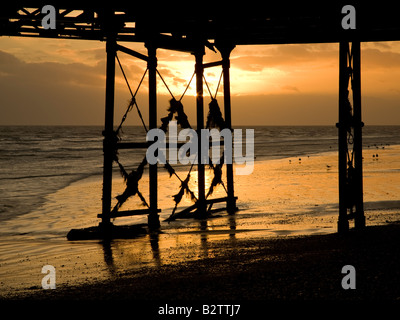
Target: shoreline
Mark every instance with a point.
(295, 268)
(282, 199)
(97, 176)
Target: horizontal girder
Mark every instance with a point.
(187, 28)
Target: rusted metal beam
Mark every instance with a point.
(350, 137)
(109, 143)
(153, 217)
(201, 204)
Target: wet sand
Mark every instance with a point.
(300, 268)
(281, 244)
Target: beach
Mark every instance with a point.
(281, 244)
(302, 268)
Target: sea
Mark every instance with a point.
(36, 161)
(51, 182)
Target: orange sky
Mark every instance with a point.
(45, 81)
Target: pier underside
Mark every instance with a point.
(221, 30)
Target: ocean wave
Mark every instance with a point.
(39, 176)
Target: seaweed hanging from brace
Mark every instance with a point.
(132, 179)
(132, 184)
(215, 120)
(181, 117)
(217, 179)
(184, 188)
(214, 117)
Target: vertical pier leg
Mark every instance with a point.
(153, 217)
(201, 204)
(225, 53)
(359, 217)
(343, 223)
(109, 142)
(350, 138)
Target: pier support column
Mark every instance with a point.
(351, 204)
(226, 50)
(109, 142)
(153, 217)
(199, 69)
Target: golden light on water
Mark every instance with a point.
(193, 183)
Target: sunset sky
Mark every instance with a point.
(62, 82)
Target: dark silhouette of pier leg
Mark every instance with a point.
(153, 217)
(343, 223)
(109, 143)
(226, 50)
(350, 138)
(201, 203)
(359, 218)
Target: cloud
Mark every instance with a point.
(257, 58)
(290, 88)
(49, 92)
(380, 59)
(299, 83)
(69, 93)
(50, 73)
(285, 109)
(7, 60)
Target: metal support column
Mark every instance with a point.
(153, 217)
(359, 217)
(225, 53)
(109, 142)
(350, 138)
(201, 203)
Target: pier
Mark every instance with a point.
(194, 30)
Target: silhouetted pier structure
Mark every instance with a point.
(192, 30)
